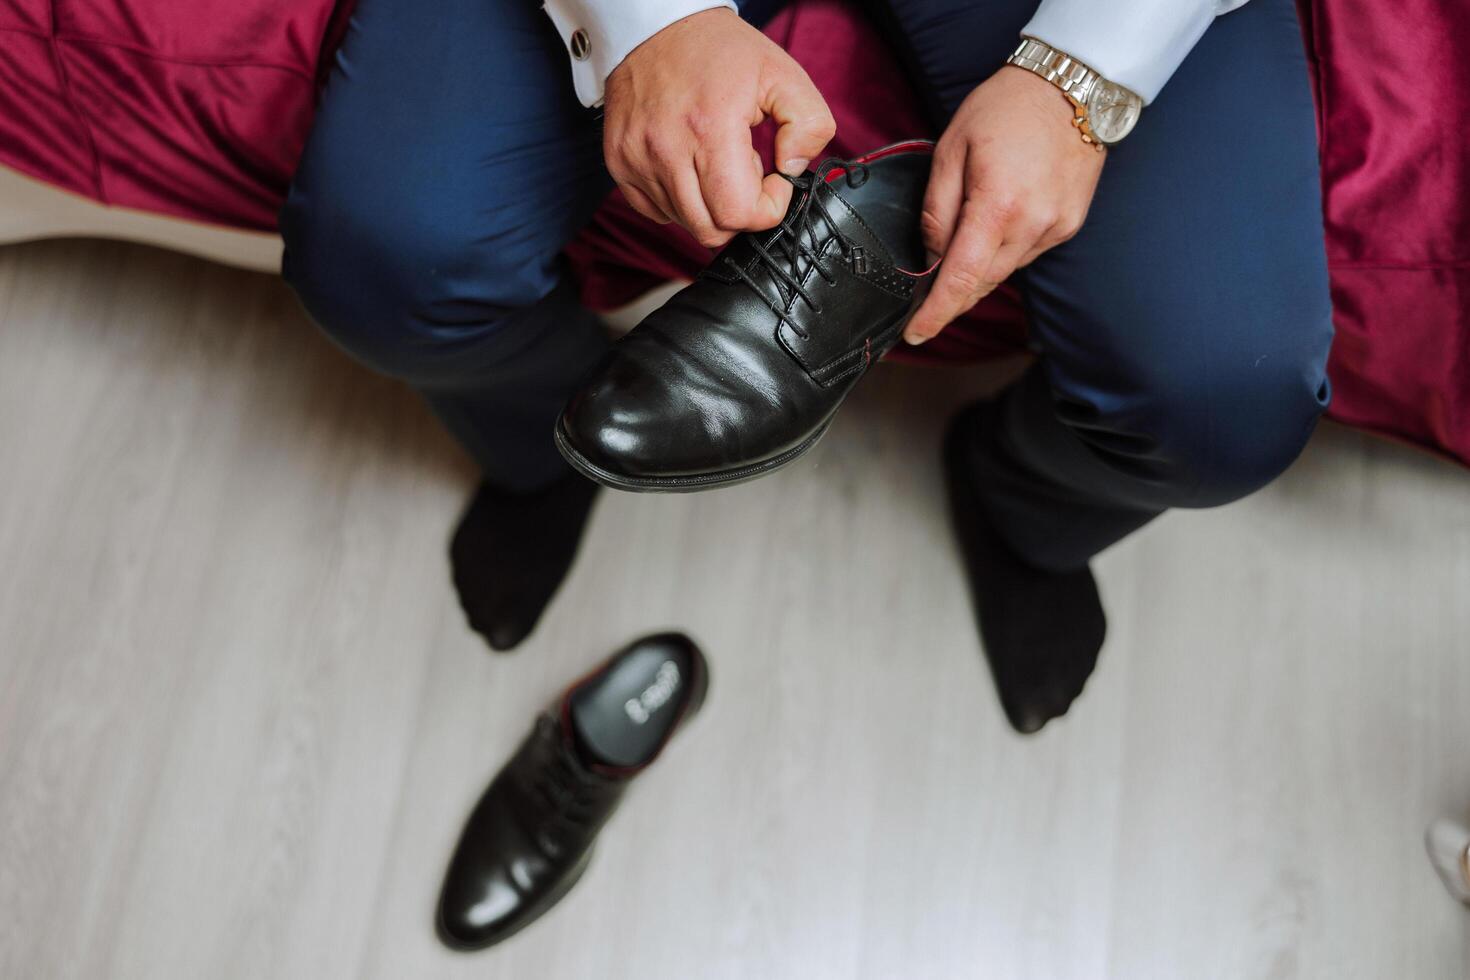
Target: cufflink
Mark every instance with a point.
(581, 44)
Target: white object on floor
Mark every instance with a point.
(31, 210)
(1448, 844)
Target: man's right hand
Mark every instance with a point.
(679, 110)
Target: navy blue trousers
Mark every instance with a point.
(1182, 334)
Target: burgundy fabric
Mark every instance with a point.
(1396, 195)
(196, 108)
(199, 108)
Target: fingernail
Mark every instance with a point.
(796, 167)
(913, 339)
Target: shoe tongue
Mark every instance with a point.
(581, 750)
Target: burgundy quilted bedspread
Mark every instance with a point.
(199, 108)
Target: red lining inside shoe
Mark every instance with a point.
(909, 146)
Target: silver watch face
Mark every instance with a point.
(1112, 111)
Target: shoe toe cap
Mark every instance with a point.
(481, 906)
(608, 433)
(631, 419)
(658, 408)
(497, 879)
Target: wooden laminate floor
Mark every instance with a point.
(241, 718)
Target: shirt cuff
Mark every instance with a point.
(1137, 44)
(599, 34)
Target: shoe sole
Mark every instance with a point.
(682, 484)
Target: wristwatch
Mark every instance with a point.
(1105, 111)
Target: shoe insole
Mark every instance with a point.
(890, 201)
(622, 717)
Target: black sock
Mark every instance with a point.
(1041, 630)
(511, 552)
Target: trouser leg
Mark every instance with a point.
(1183, 333)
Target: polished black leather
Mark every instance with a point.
(742, 371)
(530, 836)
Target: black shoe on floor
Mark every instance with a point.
(742, 371)
(1041, 630)
(511, 552)
(531, 835)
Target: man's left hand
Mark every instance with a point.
(1011, 178)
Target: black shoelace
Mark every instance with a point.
(796, 239)
(569, 792)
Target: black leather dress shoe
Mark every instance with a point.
(531, 835)
(742, 371)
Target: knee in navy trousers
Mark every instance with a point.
(449, 164)
(1182, 335)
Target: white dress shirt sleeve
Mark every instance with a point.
(599, 34)
(1136, 43)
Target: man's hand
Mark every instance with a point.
(1011, 179)
(677, 127)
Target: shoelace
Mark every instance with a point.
(568, 792)
(796, 239)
